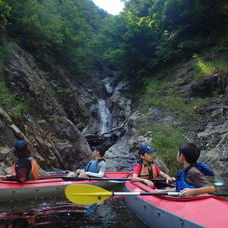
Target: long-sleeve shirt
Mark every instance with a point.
(101, 167)
(196, 178)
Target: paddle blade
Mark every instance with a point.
(86, 194)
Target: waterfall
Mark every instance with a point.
(105, 116)
(107, 84)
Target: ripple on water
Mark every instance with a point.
(111, 213)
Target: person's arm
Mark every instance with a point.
(167, 177)
(197, 191)
(101, 173)
(136, 178)
(196, 178)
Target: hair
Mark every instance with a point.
(101, 149)
(20, 154)
(190, 152)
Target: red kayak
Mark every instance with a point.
(166, 211)
(12, 191)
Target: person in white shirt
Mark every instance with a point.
(95, 167)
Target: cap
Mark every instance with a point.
(145, 149)
(20, 145)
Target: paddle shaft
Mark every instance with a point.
(144, 193)
(93, 178)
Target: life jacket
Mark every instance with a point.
(92, 166)
(181, 182)
(34, 172)
(148, 171)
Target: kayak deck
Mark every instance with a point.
(12, 191)
(160, 211)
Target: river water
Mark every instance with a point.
(111, 213)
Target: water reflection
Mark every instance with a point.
(112, 213)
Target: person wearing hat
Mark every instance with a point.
(25, 167)
(146, 170)
(95, 167)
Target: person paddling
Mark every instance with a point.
(146, 169)
(95, 167)
(25, 167)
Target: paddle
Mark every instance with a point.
(105, 179)
(90, 194)
(217, 183)
(161, 181)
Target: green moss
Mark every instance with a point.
(10, 103)
(166, 139)
(4, 55)
(182, 106)
(58, 88)
(153, 86)
(204, 68)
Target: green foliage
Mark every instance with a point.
(42, 73)
(4, 55)
(146, 37)
(183, 106)
(10, 103)
(204, 68)
(57, 32)
(4, 12)
(150, 35)
(166, 139)
(58, 88)
(153, 86)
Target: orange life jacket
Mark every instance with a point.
(148, 171)
(34, 173)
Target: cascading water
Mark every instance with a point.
(105, 116)
(107, 84)
(104, 113)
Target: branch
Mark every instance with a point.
(116, 129)
(110, 131)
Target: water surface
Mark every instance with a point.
(111, 213)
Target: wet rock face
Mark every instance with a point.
(51, 126)
(121, 106)
(124, 154)
(54, 140)
(6, 136)
(7, 158)
(109, 110)
(208, 85)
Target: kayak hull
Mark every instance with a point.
(11, 191)
(166, 212)
(155, 217)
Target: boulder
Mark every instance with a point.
(205, 87)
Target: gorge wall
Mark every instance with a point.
(56, 122)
